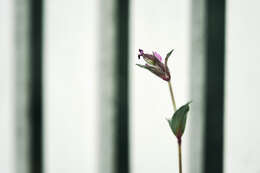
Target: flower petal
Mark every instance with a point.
(158, 56)
(141, 53)
(149, 59)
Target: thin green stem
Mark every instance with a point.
(179, 139)
(172, 96)
(180, 158)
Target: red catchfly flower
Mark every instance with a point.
(155, 65)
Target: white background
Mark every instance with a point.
(242, 138)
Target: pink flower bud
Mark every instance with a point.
(154, 64)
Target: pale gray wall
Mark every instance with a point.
(70, 86)
(7, 127)
(242, 112)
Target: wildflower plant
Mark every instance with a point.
(154, 63)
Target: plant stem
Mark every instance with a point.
(180, 158)
(179, 139)
(172, 96)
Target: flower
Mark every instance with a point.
(155, 65)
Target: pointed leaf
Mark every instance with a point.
(167, 57)
(170, 124)
(178, 121)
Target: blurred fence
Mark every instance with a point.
(72, 100)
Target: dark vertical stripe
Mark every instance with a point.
(215, 47)
(36, 28)
(122, 138)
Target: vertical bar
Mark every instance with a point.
(107, 86)
(36, 27)
(198, 71)
(208, 43)
(113, 85)
(28, 86)
(214, 86)
(122, 157)
(22, 95)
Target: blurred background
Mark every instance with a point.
(73, 100)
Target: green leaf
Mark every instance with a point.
(167, 57)
(178, 121)
(169, 54)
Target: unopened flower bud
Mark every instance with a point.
(155, 65)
